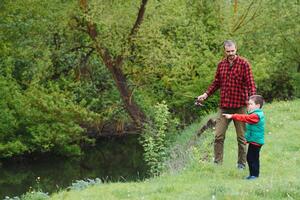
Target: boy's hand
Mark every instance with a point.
(227, 116)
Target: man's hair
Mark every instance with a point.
(258, 100)
(229, 43)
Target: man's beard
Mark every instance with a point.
(231, 57)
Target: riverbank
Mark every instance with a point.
(201, 179)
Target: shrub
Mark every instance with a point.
(278, 86)
(154, 139)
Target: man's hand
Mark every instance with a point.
(202, 97)
(227, 116)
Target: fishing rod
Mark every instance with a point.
(197, 102)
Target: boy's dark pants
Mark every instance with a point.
(253, 159)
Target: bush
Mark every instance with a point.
(154, 138)
(278, 86)
(40, 120)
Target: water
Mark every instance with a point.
(114, 159)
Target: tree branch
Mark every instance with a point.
(240, 22)
(92, 32)
(235, 6)
(139, 19)
(255, 14)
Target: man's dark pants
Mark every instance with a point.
(221, 127)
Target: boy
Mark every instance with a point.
(255, 123)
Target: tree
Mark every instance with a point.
(114, 63)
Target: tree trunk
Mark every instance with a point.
(114, 65)
(120, 80)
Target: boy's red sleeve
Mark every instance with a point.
(250, 119)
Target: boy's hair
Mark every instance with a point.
(258, 99)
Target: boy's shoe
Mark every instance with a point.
(241, 166)
(251, 177)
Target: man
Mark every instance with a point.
(235, 80)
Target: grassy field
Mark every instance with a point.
(201, 179)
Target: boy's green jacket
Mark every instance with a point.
(255, 132)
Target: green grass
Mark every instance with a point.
(201, 179)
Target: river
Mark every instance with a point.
(112, 159)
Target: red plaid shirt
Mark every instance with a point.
(236, 83)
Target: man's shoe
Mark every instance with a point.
(218, 162)
(251, 177)
(241, 166)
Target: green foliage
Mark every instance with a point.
(32, 194)
(47, 59)
(44, 108)
(35, 196)
(41, 120)
(278, 86)
(51, 121)
(296, 78)
(9, 123)
(154, 139)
